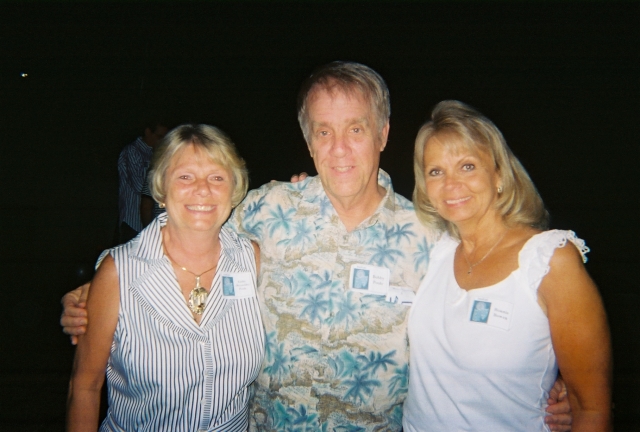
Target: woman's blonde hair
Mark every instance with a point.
(213, 142)
(519, 201)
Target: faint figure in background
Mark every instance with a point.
(149, 208)
(132, 168)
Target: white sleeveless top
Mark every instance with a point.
(482, 360)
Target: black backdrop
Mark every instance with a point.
(559, 78)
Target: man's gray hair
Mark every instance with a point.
(354, 79)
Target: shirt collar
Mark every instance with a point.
(385, 213)
(314, 193)
(148, 245)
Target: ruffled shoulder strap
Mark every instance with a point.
(536, 254)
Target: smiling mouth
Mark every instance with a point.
(456, 201)
(343, 168)
(202, 208)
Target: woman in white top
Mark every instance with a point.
(504, 304)
(179, 352)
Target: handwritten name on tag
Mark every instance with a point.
(494, 313)
(238, 285)
(369, 279)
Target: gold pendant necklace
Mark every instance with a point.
(198, 295)
(471, 266)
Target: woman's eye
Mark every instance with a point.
(468, 167)
(434, 172)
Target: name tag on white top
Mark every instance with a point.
(368, 279)
(493, 313)
(238, 285)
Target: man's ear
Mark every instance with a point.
(384, 135)
(310, 148)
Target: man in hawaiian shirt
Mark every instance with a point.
(336, 355)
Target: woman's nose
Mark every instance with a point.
(451, 181)
(202, 187)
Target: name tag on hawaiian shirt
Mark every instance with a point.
(238, 285)
(400, 295)
(369, 279)
(492, 313)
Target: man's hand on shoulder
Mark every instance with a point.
(295, 178)
(74, 314)
(299, 177)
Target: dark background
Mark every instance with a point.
(560, 79)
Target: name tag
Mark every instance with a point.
(492, 313)
(369, 279)
(400, 295)
(238, 285)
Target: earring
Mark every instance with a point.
(161, 205)
(499, 189)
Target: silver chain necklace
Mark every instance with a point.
(471, 266)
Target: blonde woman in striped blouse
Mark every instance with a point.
(179, 353)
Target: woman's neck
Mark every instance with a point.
(483, 233)
(196, 251)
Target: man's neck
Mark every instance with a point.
(353, 211)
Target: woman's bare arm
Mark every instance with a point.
(581, 339)
(92, 354)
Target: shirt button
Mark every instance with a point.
(202, 344)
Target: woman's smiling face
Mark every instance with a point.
(198, 191)
(461, 180)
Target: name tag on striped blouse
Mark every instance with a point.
(238, 285)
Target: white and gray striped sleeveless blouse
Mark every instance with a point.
(166, 372)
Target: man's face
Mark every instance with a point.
(345, 143)
(153, 137)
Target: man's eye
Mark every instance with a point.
(357, 130)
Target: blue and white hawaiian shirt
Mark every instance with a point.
(336, 359)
